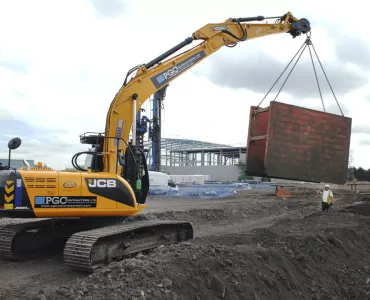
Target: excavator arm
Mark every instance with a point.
(154, 75)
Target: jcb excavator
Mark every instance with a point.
(88, 210)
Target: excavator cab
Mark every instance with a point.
(132, 164)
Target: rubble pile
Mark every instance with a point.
(321, 256)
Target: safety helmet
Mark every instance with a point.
(327, 186)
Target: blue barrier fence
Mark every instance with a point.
(210, 190)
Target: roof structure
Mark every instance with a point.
(186, 152)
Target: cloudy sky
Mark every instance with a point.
(61, 63)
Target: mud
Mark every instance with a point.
(245, 247)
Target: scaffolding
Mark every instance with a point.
(351, 166)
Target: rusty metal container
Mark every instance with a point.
(296, 143)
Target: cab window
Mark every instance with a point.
(171, 183)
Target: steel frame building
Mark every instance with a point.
(185, 152)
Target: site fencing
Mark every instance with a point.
(220, 190)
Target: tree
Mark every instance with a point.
(360, 174)
(266, 179)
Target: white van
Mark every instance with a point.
(161, 181)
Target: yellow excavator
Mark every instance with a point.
(89, 210)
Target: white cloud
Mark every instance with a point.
(361, 129)
(110, 8)
(4, 115)
(63, 61)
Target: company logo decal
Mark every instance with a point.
(110, 188)
(101, 183)
(64, 202)
(170, 73)
(69, 184)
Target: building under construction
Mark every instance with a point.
(190, 157)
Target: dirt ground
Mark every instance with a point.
(250, 246)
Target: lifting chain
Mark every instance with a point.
(307, 42)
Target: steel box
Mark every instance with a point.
(296, 143)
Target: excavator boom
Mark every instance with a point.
(154, 75)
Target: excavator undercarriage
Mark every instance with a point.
(88, 243)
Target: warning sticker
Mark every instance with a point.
(8, 206)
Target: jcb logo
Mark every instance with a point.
(102, 183)
(171, 72)
(55, 200)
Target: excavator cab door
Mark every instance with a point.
(134, 169)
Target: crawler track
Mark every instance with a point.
(21, 239)
(7, 235)
(87, 250)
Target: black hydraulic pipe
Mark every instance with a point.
(187, 41)
(259, 18)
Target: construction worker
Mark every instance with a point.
(327, 198)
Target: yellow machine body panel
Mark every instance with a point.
(76, 194)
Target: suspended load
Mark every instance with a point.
(296, 143)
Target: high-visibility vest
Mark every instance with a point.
(329, 199)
